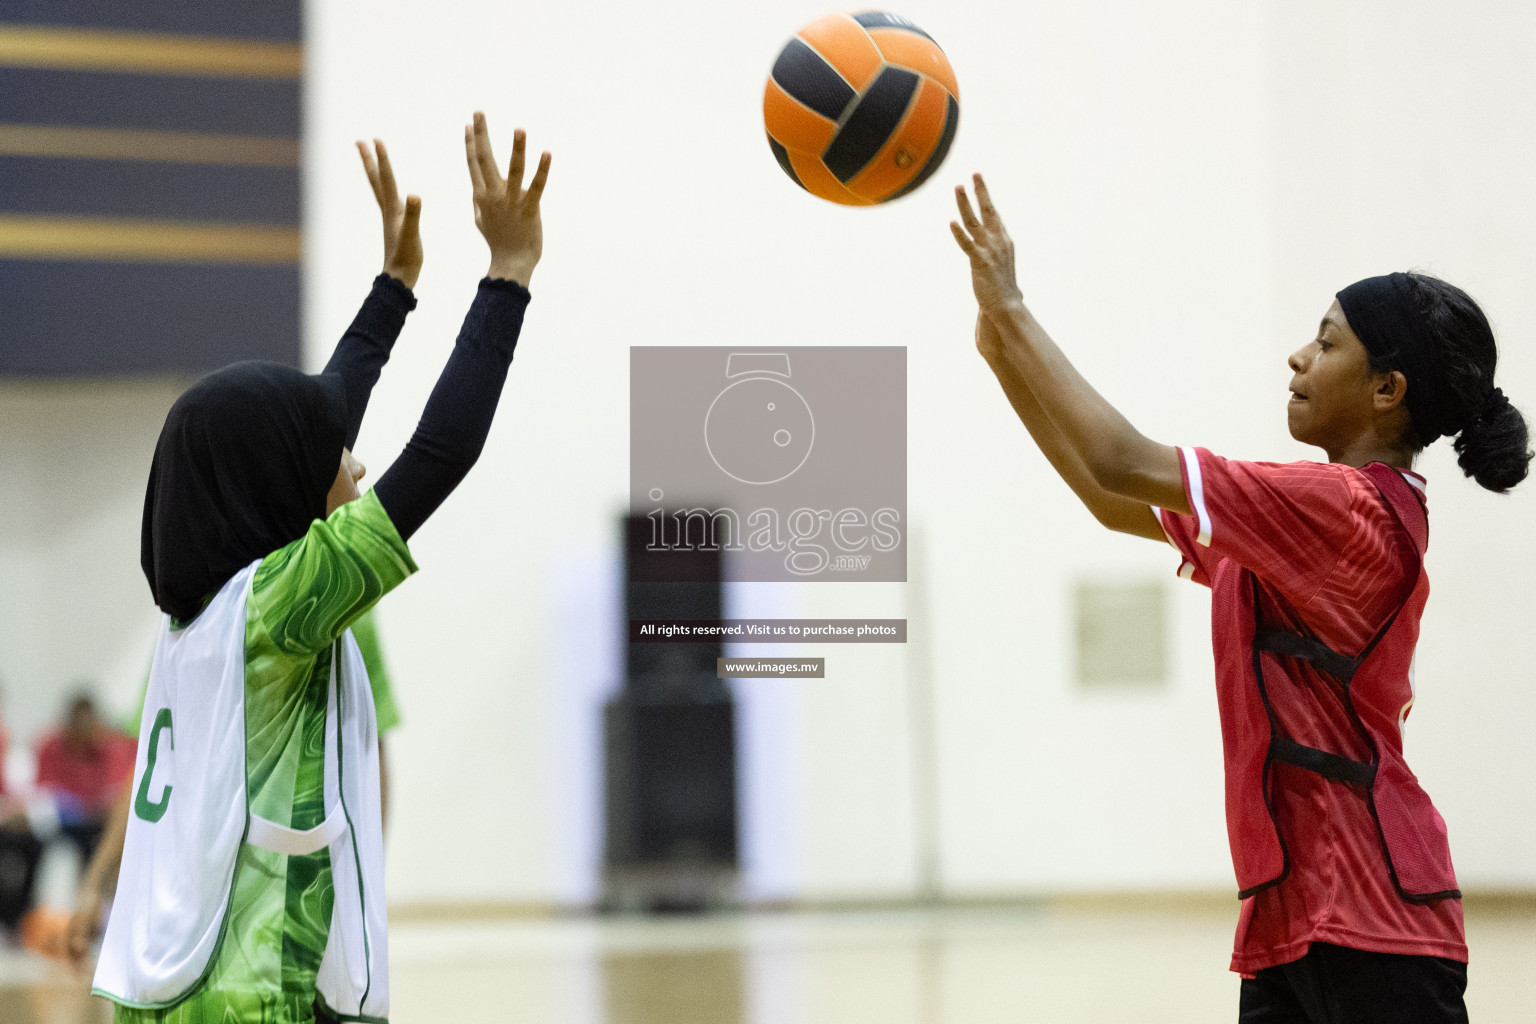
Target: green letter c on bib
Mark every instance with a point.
(153, 812)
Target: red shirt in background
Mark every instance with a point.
(1332, 561)
(93, 776)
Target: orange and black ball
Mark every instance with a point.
(861, 108)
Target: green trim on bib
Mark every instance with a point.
(229, 903)
(339, 1017)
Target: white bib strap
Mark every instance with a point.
(269, 835)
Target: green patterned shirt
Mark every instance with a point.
(302, 599)
(365, 630)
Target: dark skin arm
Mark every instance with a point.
(98, 881)
(1118, 459)
(1124, 515)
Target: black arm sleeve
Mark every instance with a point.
(364, 349)
(458, 416)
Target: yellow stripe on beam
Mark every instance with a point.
(30, 46)
(167, 147)
(145, 241)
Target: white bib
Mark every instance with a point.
(189, 817)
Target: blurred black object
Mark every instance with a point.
(20, 853)
(670, 738)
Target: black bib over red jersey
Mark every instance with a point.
(1374, 685)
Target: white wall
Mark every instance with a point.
(74, 607)
(1189, 182)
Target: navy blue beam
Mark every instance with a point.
(62, 318)
(176, 103)
(143, 189)
(276, 20)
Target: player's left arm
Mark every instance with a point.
(363, 350)
(1117, 456)
(305, 594)
(98, 881)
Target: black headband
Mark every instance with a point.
(1384, 316)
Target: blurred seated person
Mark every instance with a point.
(84, 766)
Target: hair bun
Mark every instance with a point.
(1494, 404)
(1493, 447)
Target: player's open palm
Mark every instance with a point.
(986, 242)
(506, 213)
(402, 220)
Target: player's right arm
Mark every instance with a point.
(307, 593)
(458, 415)
(1124, 515)
(1119, 458)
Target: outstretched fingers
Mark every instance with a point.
(387, 191)
(967, 215)
(371, 169)
(488, 173)
(472, 158)
(519, 158)
(966, 245)
(989, 215)
(540, 176)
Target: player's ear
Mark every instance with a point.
(1391, 391)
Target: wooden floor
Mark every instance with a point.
(954, 966)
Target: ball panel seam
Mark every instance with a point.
(884, 19)
(951, 124)
(804, 74)
(793, 123)
(920, 129)
(916, 53)
(870, 124)
(846, 47)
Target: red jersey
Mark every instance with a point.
(92, 777)
(1331, 561)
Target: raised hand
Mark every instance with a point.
(506, 213)
(986, 242)
(402, 221)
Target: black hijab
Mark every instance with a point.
(243, 466)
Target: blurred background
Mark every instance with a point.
(944, 829)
